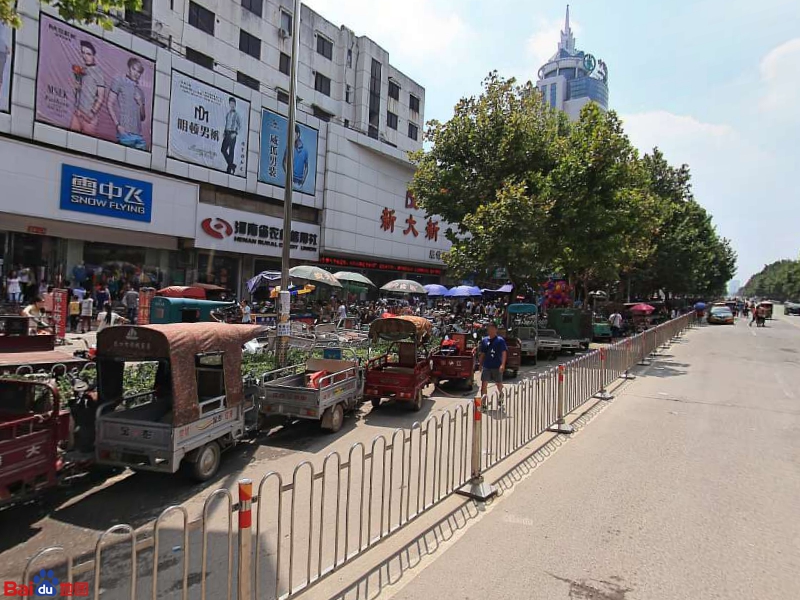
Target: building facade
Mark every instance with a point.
(572, 78)
(153, 153)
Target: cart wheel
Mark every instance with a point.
(376, 402)
(470, 383)
(207, 462)
(416, 404)
(334, 417)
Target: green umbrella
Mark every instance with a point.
(351, 277)
(314, 275)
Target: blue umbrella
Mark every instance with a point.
(434, 289)
(464, 291)
(700, 306)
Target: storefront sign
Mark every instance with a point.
(84, 190)
(377, 266)
(60, 311)
(388, 219)
(6, 60)
(207, 126)
(272, 167)
(88, 85)
(36, 230)
(231, 230)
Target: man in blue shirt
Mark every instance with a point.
(493, 352)
(300, 160)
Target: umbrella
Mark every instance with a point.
(464, 291)
(353, 278)
(434, 289)
(265, 276)
(506, 289)
(700, 306)
(315, 274)
(642, 308)
(404, 286)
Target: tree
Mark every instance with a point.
(487, 175)
(604, 216)
(779, 281)
(84, 11)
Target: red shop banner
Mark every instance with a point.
(377, 266)
(146, 296)
(60, 312)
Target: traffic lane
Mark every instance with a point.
(73, 517)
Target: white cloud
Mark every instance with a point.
(780, 73)
(422, 31)
(680, 134)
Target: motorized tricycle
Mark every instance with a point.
(32, 352)
(454, 361)
(573, 325)
(404, 370)
(188, 403)
(523, 324)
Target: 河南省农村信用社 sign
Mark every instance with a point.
(105, 194)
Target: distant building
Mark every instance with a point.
(573, 78)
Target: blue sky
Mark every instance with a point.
(713, 83)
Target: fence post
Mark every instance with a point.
(643, 341)
(629, 360)
(476, 488)
(245, 571)
(603, 393)
(561, 426)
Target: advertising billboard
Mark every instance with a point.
(272, 159)
(93, 192)
(91, 86)
(208, 126)
(6, 60)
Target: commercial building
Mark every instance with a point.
(572, 78)
(154, 152)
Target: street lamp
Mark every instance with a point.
(284, 326)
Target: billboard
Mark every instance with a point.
(208, 126)
(272, 159)
(93, 192)
(6, 60)
(91, 86)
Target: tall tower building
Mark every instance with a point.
(572, 78)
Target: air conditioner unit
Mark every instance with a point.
(283, 34)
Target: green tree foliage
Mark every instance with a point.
(778, 281)
(527, 190)
(83, 11)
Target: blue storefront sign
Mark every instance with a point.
(97, 193)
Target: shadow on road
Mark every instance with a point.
(667, 368)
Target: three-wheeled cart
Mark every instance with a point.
(319, 389)
(454, 361)
(573, 325)
(404, 370)
(522, 323)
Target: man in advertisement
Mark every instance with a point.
(90, 91)
(233, 123)
(126, 105)
(300, 166)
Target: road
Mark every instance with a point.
(686, 486)
(74, 517)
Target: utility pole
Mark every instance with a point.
(284, 325)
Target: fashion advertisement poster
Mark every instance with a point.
(91, 86)
(272, 169)
(207, 126)
(6, 60)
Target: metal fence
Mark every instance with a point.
(294, 532)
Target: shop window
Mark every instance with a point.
(218, 270)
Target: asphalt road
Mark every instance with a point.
(686, 486)
(74, 517)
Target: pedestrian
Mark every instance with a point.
(102, 295)
(108, 318)
(35, 312)
(493, 353)
(74, 313)
(130, 300)
(13, 288)
(615, 320)
(755, 317)
(246, 312)
(87, 310)
(342, 311)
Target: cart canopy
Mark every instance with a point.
(522, 309)
(393, 329)
(180, 343)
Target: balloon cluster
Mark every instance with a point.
(557, 292)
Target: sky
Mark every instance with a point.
(714, 84)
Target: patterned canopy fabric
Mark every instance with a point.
(404, 286)
(315, 275)
(398, 328)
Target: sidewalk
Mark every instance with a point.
(685, 487)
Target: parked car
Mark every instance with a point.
(791, 308)
(720, 315)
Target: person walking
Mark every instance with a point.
(615, 320)
(108, 318)
(493, 353)
(341, 312)
(74, 313)
(130, 300)
(754, 312)
(87, 310)
(13, 288)
(246, 312)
